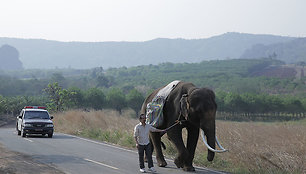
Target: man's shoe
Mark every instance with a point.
(152, 170)
(142, 170)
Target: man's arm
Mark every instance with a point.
(136, 134)
(136, 140)
(153, 129)
(160, 130)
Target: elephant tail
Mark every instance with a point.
(163, 145)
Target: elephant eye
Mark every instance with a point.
(195, 110)
(198, 108)
(191, 110)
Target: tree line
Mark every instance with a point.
(259, 103)
(57, 99)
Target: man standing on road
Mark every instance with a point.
(141, 135)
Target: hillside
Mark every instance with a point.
(9, 58)
(282, 71)
(38, 53)
(289, 52)
(237, 75)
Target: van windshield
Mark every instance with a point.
(36, 115)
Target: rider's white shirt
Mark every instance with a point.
(142, 133)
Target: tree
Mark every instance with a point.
(57, 77)
(293, 105)
(53, 91)
(58, 97)
(220, 95)
(68, 98)
(13, 105)
(250, 102)
(116, 99)
(102, 81)
(134, 100)
(76, 99)
(233, 102)
(94, 98)
(1, 104)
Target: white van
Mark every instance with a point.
(34, 120)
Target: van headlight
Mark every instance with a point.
(49, 125)
(28, 125)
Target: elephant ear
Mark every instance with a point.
(184, 106)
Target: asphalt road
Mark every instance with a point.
(76, 155)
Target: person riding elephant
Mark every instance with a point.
(194, 108)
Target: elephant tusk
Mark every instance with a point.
(220, 145)
(210, 148)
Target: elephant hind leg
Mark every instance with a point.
(162, 163)
(156, 140)
(160, 159)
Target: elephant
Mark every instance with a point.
(194, 108)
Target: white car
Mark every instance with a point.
(34, 120)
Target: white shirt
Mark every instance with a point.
(142, 133)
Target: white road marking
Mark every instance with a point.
(28, 162)
(28, 140)
(96, 162)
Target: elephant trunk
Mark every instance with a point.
(211, 142)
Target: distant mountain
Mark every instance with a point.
(37, 53)
(9, 58)
(289, 52)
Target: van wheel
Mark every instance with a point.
(50, 135)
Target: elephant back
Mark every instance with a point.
(154, 108)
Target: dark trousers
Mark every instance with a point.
(147, 149)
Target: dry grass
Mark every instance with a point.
(254, 147)
(76, 121)
(265, 147)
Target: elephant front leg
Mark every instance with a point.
(175, 136)
(192, 140)
(156, 140)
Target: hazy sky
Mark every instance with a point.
(141, 20)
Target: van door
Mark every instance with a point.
(20, 120)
